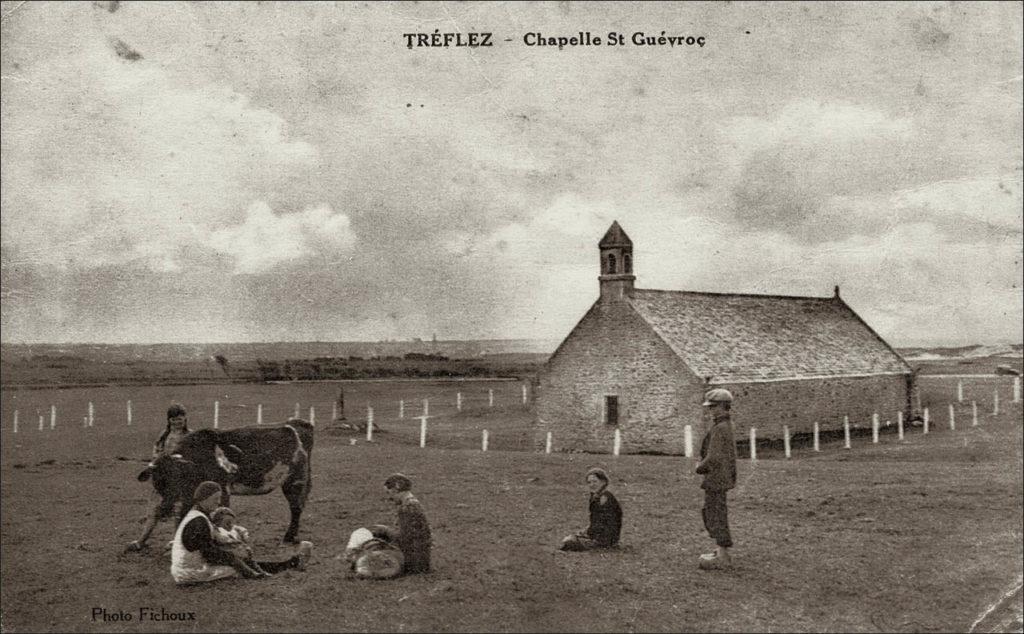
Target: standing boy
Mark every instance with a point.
(718, 466)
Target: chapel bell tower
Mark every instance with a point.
(616, 277)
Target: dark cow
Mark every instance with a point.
(245, 461)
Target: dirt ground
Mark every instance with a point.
(924, 535)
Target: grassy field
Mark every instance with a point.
(915, 536)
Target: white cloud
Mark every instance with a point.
(810, 122)
(265, 239)
(822, 172)
(995, 201)
(547, 236)
(114, 162)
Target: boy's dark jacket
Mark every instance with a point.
(718, 457)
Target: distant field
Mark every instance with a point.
(979, 365)
(52, 365)
(249, 352)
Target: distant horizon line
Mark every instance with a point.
(414, 340)
(232, 343)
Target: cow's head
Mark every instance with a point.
(174, 479)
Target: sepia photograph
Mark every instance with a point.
(511, 316)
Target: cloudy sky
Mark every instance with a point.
(259, 172)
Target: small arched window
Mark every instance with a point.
(611, 263)
(627, 263)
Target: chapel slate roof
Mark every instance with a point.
(742, 338)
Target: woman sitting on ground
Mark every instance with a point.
(605, 517)
(195, 555)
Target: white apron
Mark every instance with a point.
(190, 566)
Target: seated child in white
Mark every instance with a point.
(234, 539)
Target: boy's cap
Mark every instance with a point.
(717, 395)
(599, 472)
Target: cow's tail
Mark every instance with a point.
(304, 430)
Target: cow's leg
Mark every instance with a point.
(296, 490)
(295, 497)
(160, 510)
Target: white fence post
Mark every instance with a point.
(91, 410)
(483, 441)
(926, 421)
(259, 414)
(40, 421)
(525, 399)
(369, 423)
(334, 411)
(874, 428)
(846, 432)
(426, 407)
(1016, 389)
(129, 412)
(952, 417)
(547, 444)
(312, 415)
(817, 445)
(617, 445)
(688, 441)
(959, 391)
(15, 421)
(216, 414)
(785, 440)
(490, 398)
(974, 413)
(401, 408)
(53, 415)
(995, 402)
(458, 401)
(899, 425)
(753, 444)
(423, 430)
(85, 421)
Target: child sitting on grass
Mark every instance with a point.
(605, 517)
(234, 539)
